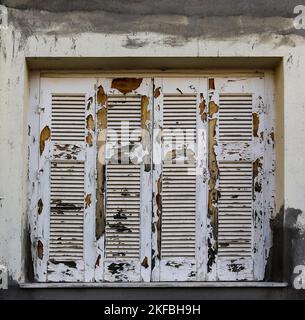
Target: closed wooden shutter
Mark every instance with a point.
(179, 186)
(124, 241)
(67, 122)
(139, 179)
(236, 156)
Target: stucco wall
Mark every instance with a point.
(192, 28)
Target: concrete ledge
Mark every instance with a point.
(155, 285)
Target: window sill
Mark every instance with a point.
(120, 285)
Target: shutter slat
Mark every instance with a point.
(178, 180)
(63, 222)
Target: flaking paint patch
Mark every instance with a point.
(98, 259)
(157, 92)
(211, 84)
(159, 213)
(126, 85)
(89, 122)
(255, 118)
(212, 159)
(145, 263)
(213, 108)
(40, 249)
(257, 165)
(145, 113)
(87, 201)
(102, 118)
(45, 135)
(89, 103)
(100, 209)
(89, 139)
(202, 109)
(101, 96)
(39, 206)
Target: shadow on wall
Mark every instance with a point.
(288, 249)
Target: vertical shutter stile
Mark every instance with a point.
(67, 178)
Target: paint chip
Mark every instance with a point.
(88, 201)
(126, 85)
(90, 122)
(40, 249)
(101, 96)
(44, 136)
(40, 206)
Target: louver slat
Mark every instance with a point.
(68, 118)
(235, 210)
(123, 178)
(67, 180)
(235, 118)
(178, 228)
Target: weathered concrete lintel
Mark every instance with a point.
(151, 63)
(156, 285)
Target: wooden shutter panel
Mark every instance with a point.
(67, 171)
(124, 206)
(236, 167)
(178, 184)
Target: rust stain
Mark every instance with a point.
(126, 85)
(145, 263)
(87, 201)
(102, 118)
(89, 122)
(213, 108)
(211, 84)
(44, 136)
(101, 96)
(89, 139)
(40, 250)
(202, 109)
(40, 206)
(157, 92)
(255, 118)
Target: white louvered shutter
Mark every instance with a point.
(124, 242)
(67, 170)
(236, 122)
(179, 180)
